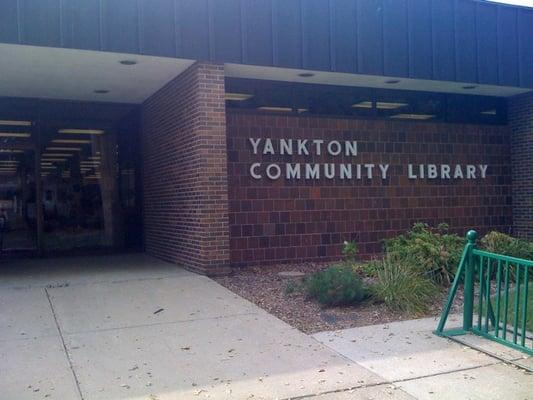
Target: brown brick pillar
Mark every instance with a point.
(185, 171)
(521, 123)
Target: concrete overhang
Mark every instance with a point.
(55, 73)
(371, 81)
(464, 41)
(85, 75)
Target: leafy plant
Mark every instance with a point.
(291, 287)
(370, 268)
(500, 243)
(432, 252)
(336, 285)
(349, 251)
(402, 288)
(511, 307)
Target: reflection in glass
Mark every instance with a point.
(18, 217)
(80, 192)
(69, 176)
(361, 102)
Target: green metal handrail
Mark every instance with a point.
(502, 303)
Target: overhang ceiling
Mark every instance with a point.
(54, 73)
(473, 41)
(373, 81)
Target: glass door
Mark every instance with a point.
(69, 178)
(18, 189)
(79, 186)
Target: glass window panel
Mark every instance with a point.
(18, 210)
(360, 102)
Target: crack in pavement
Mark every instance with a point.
(71, 366)
(159, 324)
(310, 396)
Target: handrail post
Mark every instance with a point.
(470, 270)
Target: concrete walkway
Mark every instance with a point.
(130, 327)
(425, 366)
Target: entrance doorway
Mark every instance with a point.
(18, 197)
(69, 177)
(79, 188)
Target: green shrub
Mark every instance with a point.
(500, 243)
(510, 306)
(402, 288)
(370, 268)
(336, 285)
(433, 252)
(291, 287)
(349, 251)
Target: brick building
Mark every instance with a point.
(227, 133)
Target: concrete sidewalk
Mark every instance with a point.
(130, 327)
(425, 366)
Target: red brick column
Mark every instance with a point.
(521, 123)
(185, 171)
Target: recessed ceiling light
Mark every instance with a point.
(71, 141)
(64, 148)
(306, 74)
(412, 116)
(54, 159)
(15, 134)
(82, 131)
(55, 155)
(101, 91)
(392, 81)
(15, 123)
(128, 62)
(362, 104)
(238, 96)
(277, 109)
(382, 105)
(468, 87)
(489, 112)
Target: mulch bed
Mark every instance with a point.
(266, 288)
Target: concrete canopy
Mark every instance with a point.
(462, 40)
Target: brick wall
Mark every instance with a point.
(521, 123)
(185, 171)
(289, 220)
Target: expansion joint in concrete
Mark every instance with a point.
(390, 383)
(71, 366)
(182, 321)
